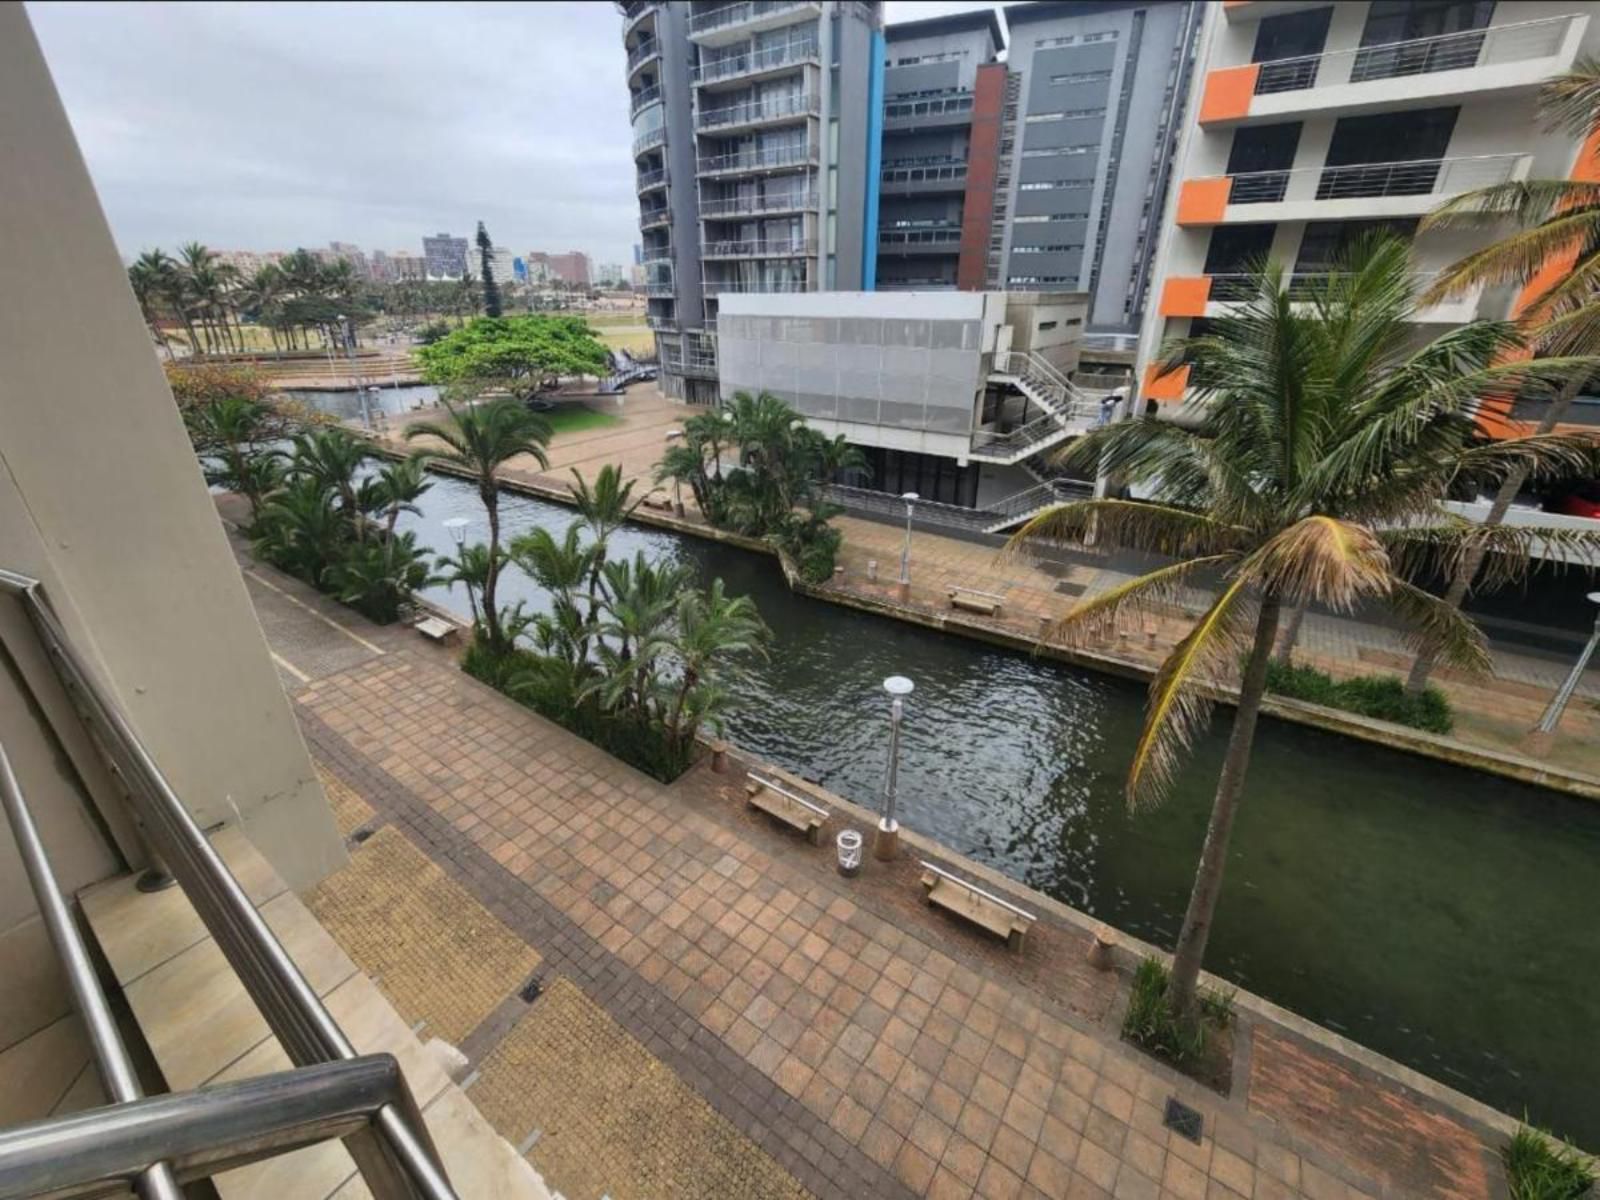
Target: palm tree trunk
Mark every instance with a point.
(1284, 651)
(491, 615)
(1456, 594)
(1191, 948)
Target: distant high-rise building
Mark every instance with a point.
(248, 262)
(571, 267)
(501, 261)
(445, 256)
(610, 274)
(405, 265)
(638, 253)
(354, 255)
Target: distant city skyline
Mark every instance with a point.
(356, 145)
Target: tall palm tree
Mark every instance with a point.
(1554, 255)
(481, 438)
(151, 277)
(1314, 476)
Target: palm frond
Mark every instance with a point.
(1520, 256)
(1179, 700)
(1157, 592)
(1322, 560)
(1541, 456)
(1507, 552)
(1153, 528)
(1438, 629)
(1571, 100)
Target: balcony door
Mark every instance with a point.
(1382, 156)
(1417, 37)
(1262, 154)
(1235, 251)
(1287, 46)
(1325, 243)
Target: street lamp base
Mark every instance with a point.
(886, 841)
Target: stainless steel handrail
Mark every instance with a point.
(199, 1133)
(395, 1153)
(155, 1181)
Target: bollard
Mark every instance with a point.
(719, 757)
(872, 570)
(1101, 950)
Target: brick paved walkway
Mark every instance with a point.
(868, 1046)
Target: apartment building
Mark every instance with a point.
(1313, 123)
(1087, 136)
(939, 150)
(444, 257)
(752, 123)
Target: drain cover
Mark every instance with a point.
(1183, 1120)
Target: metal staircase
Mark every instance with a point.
(1068, 410)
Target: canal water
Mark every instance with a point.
(1441, 916)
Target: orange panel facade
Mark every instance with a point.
(1165, 387)
(983, 165)
(1227, 93)
(1203, 201)
(1185, 296)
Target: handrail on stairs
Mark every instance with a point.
(392, 1148)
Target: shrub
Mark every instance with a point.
(1382, 697)
(1152, 1025)
(1541, 1167)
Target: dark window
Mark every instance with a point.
(1407, 154)
(1287, 45)
(1234, 252)
(1415, 37)
(1324, 242)
(1264, 153)
(930, 476)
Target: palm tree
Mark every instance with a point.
(711, 626)
(397, 489)
(480, 438)
(470, 568)
(151, 277)
(232, 430)
(333, 457)
(1559, 226)
(1314, 476)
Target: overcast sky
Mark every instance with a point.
(275, 125)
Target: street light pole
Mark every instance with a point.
(1558, 703)
(905, 549)
(886, 845)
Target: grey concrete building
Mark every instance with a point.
(1099, 90)
(444, 257)
(931, 73)
(752, 127)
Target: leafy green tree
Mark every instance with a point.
(1556, 222)
(491, 289)
(520, 355)
(480, 438)
(1326, 442)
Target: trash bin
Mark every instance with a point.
(849, 844)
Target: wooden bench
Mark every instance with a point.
(999, 917)
(435, 629)
(778, 801)
(972, 600)
(659, 501)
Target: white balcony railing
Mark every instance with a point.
(754, 112)
(727, 15)
(752, 62)
(1418, 177)
(654, 218)
(655, 254)
(763, 159)
(1239, 287)
(738, 206)
(646, 49)
(649, 180)
(1493, 44)
(642, 97)
(649, 140)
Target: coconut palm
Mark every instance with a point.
(152, 277)
(1554, 255)
(481, 438)
(1325, 443)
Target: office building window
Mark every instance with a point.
(1057, 248)
(1081, 77)
(1041, 118)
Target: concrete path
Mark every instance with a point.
(836, 1031)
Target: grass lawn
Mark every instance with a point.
(600, 320)
(575, 419)
(642, 342)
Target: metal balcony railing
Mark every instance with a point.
(649, 140)
(634, 12)
(737, 206)
(755, 112)
(1418, 177)
(1238, 287)
(941, 170)
(643, 97)
(649, 180)
(662, 324)
(953, 101)
(751, 62)
(728, 15)
(646, 49)
(1494, 44)
(155, 1144)
(660, 288)
(715, 287)
(654, 218)
(655, 254)
(762, 159)
(801, 248)
(946, 233)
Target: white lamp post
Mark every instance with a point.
(886, 844)
(905, 550)
(457, 527)
(1558, 703)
